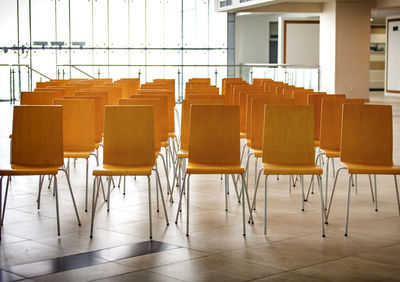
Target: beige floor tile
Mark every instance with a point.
(90, 273)
(352, 269)
(389, 255)
(143, 276)
(215, 268)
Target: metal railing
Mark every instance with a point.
(300, 76)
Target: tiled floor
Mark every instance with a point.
(215, 250)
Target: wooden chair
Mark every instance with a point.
(214, 148)
(288, 148)
(36, 149)
(78, 132)
(128, 150)
(366, 147)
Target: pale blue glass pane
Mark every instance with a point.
(24, 22)
(8, 23)
(172, 24)
(217, 28)
(118, 57)
(118, 23)
(137, 23)
(100, 23)
(63, 21)
(155, 23)
(82, 57)
(81, 21)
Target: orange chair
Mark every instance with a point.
(158, 119)
(366, 146)
(217, 98)
(78, 131)
(288, 148)
(36, 149)
(128, 150)
(214, 148)
(184, 145)
(44, 98)
(331, 127)
(257, 106)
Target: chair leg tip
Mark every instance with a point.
(226, 209)
(376, 210)
(302, 209)
(305, 200)
(345, 234)
(158, 210)
(85, 210)
(323, 235)
(187, 235)
(167, 223)
(151, 237)
(326, 222)
(244, 234)
(79, 224)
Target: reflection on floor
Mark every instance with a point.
(215, 250)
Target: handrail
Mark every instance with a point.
(82, 71)
(189, 65)
(27, 66)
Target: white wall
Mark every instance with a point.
(327, 47)
(252, 39)
(393, 56)
(302, 44)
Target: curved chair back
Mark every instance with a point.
(37, 98)
(37, 136)
(257, 116)
(129, 136)
(185, 127)
(78, 124)
(247, 125)
(217, 98)
(367, 135)
(288, 135)
(214, 135)
(163, 112)
(156, 103)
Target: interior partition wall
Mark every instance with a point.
(42, 39)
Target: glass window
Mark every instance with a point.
(8, 23)
(118, 23)
(81, 21)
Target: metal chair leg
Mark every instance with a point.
(265, 205)
(332, 193)
(347, 208)
(149, 188)
(180, 198)
(226, 191)
(57, 208)
(323, 215)
(94, 201)
(87, 184)
(376, 194)
(326, 182)
(370, 187)
(302, 192)
(187, 205)
(3, 206)
(243, 207)
(72, 197)
(397, 193)
(162, 197)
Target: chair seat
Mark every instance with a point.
(372, 169)
(331, 153)
(248, 142)
(77, 155)
(164, 144)
(242, 135)
(109, 170)
(183, 154)
(257, 153)
(291, 170)
(194, 168)
(171, 135)
(27, 170)
(316, 143)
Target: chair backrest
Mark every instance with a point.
(288, 135)
(37, 136)
(78, 124)
(163, 112)
(244, 88)
(331, 122)
(243, 104)
(59, 92)
(257, 106)
(300, 96)
(214, 135)
(206, 90)
(247, 124)
(156, 103)
(37, 98)
(200, 80)
(185, 125)
(206, 97)
(367, 134)
(129, 136)
(99, 115)
(315, 101)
